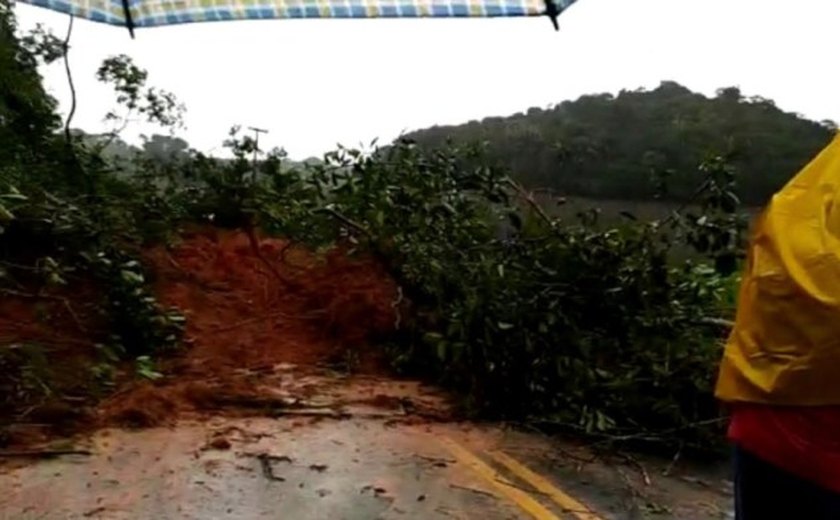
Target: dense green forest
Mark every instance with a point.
(631, 145)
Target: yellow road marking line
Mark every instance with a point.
(542, 484)
(522, 499)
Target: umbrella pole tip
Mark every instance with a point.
(552, 12)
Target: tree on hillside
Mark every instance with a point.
(164, 147)
(27, 112)
(607, 146)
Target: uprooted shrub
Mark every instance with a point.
(533, 318)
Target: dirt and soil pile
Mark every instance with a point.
(244, 320)
(239, 312)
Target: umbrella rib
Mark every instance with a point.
(551, 11)
(129, 21)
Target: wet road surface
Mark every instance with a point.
(354, 469)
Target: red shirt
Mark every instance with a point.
(804, 441)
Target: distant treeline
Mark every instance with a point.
(623, 147)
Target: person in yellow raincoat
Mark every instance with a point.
(780, 374)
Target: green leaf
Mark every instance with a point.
(449, 209)
(149, 374)
(440, 348)
(505, 326)
(6, 216)
(14, 196)
(131, 277)
(605, 374)
(55, 279)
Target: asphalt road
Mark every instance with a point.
(307, 467)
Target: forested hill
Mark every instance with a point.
(607, 146)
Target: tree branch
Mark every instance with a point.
(719, 322)
(701, 188)
(346, 221)
(116, 131)
(60, 299)
(42, 454)
(527, 197)
(66, 48)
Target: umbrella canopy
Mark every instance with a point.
(151, 13)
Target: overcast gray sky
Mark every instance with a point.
(315, 83)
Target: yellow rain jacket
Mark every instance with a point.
(785, 346)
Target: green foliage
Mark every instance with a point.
(129, 83)
(43, 44)
(27, 113)
(31, 363)
(717, 229)
(66, 219)
(60, 240)
(608, 147)
(145, 367)
(562, 322)
(137, 321)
